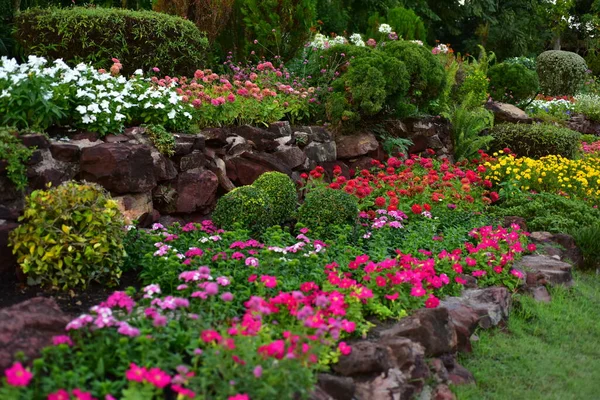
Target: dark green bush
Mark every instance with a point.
(561, 72)
(139, 39)
(592, 60)
(15, 155)
(324, 208)
(406, 24)
(281, 191)
(426, 73)
(535, 140)
(247, 206)
(512, 83)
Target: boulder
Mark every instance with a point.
(504, 112)
(185, 144)
(431, 327)
(442, 392)
(193, 160)
(553, 271)
(540, 294)
(8, 261)
(36, 140)
(116, 138)
(65, 152)
(247, 167)
(134, 206)
(49, 170)
(264, 140)
(366, 358)
(291, 156)
(457, 374)
(216, 137)
(559, 244)
(280, 128)
(12, 200)
(28, 327)
(238, 145)
(356, 145)
(119, 167)
(163, 168)
(321, 152)
(313, 134)
(338, 387)
(196, 191)
(391, 385)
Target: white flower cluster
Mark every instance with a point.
(102, 102)
(357, 40)
(385, 28)
(322, 42)
(420, 43)
(551, 106)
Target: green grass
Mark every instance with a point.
(549, 351)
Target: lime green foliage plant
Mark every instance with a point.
(561, 72)
(324, 207)
(512, 83)
(536, 140)
(163, 140)
(467, 125)
(248, 207)
(69, 236)
(138, 39)
(15, 154)
(473, 79)
(281, 192)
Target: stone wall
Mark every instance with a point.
(151, 187)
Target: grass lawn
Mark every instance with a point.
(549, 351)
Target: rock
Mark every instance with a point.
(36, 140)
(504, 112)
(338, 387)
(292, 156)
(12, 200)
(330, 165)
(196, 190)
(280, 128)
(320, 394)
(216, 137)
(168, 220)
(435, 143)
(284, 142)
(193, 160)
(321, 152)
(164, 169)
(264, 141)
(391, 385)
(439, 370)
(419, 145)
(116, 138)
(238, 145)
(65, 152)
(430, 327)
(301, 138)
(137, 135)
(49, 170)
(360, 164)
(582, 124)
(28, 327)
(457, 374)
(219, 168)
(247, 167)
(356, 145)
(559, 244)
(134, 206)
(554, 272)
(8, 261)
(86, 136)
(540, 294)
(119, 167)
(185, 144)
(366, 358)
(314, 134)
(442, 392)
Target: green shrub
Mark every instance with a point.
(561, 73)
(512, 83)
(280, 27)
(536, 140)
(592, 59)
(163, 140)
(587, 239)
(70, 235)
(549, 212)
(139, 39)
(406, 24)
(281, 191)
(15, 154)
(324, 208)
(588, 105)
(588, 138)
(467, 125)
(426, 73)
(474, 81)
(246, 206)
(527, 62)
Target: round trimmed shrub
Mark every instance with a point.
(512, 83)
(281, 191)
(324, 208)
(69, 236)
(426, 73)
(561, 73)
(245, 206)
(139, 39)
(535, 140)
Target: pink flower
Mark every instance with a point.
(252, 262)
(269, 281)
(135, 373)
(209, 335)
(344, 348)
(479, 273)
(239, 396)
(17, 375)
(517, 273)
(62, 339)
(531, 247)
(392, 297)
(471, 262)
(223, 281)
(158, 377)
(211, 288)
(432, 302)
(155, 69)
(227, 296)
(183, 391)
(81, 395)
(258, 370)
(417, 291)
(60, 394)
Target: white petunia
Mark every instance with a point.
(385, 28)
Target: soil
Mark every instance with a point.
(12, 291)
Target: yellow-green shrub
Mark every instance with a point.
(246, 206)
(70, 235)
(324, 208)
(281, 191)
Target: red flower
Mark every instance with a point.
(427, 207)
(494, 196)
(416, 209)
(380, 202)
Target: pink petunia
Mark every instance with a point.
(17, 375)
(344, 348)
(135, 373)
(158, 377)
(60, 394)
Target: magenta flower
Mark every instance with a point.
(62, 339)
(60, 394)
(227, 296)
(252, 262)
(239, 396)
(344, 348)
(417, 291)
(158, 377)
(269, 281)
(81, 395)
(258, 370)
(17, 375)
(135, 373)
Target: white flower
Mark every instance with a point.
(385, 28)
(338, 40)
(81, 109)
(138, 72)
(171, 114)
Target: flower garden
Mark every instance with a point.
(240, 209)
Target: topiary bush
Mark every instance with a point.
(246, 206)
(561, 73)
(426, 73)
(69, 236)
(139, 39)
(535, 140)
(281, 192)
(324, 208)
(512, 83)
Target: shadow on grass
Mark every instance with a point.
(548, 351)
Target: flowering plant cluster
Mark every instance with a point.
(554, 174)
